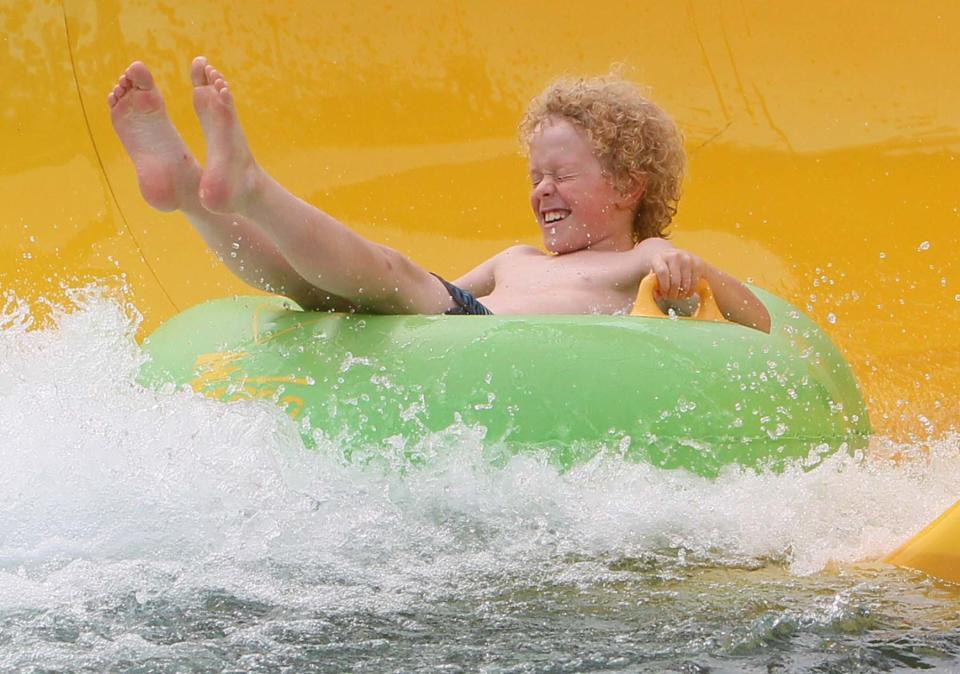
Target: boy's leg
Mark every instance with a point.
(318, 247)
(250, 255)
(169, 177)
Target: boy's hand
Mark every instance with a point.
(678, 272)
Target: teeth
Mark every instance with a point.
(553, 216)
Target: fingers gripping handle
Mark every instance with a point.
(646, 305)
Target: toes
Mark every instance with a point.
(118, 92)
(204, 74)
(223, 90)
(198, 71)
(212, 74)
(139, 75)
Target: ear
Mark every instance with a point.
(631, 198)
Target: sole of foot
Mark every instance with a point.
(230, 174)
(167, 172)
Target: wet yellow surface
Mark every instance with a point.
(822, 141)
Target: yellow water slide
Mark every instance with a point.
(823, 140)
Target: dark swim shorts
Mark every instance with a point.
(467, 304)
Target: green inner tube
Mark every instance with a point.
(673, 393)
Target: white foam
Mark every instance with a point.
(107, 488)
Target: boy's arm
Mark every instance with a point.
(736, 301)
(644, 253)
(479, 281)
(678, 273)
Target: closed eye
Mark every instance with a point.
(536, 179)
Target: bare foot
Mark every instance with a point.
(166, 170)
(231, 174)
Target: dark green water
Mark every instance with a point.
(632, 614)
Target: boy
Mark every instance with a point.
(605, 165)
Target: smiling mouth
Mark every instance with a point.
(555, 216)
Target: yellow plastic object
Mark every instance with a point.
(646, 304)
(935, 549)
(822, 148)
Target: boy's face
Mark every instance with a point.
(576, 206)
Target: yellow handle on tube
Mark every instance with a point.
(646, 304)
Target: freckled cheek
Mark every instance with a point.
(574, 200)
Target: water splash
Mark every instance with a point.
(118, 499)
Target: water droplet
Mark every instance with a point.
(831, 318)
(923, 246)
(883, 256)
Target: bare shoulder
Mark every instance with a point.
(482, 279)
(514, 255)
(521, 249)
(632, 265)
(621, 265)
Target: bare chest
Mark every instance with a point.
(546, 284)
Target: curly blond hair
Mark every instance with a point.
(633, 139)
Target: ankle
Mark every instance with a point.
(256, 187)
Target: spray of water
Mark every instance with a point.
(109, 489)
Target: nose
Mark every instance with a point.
(545, 187)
